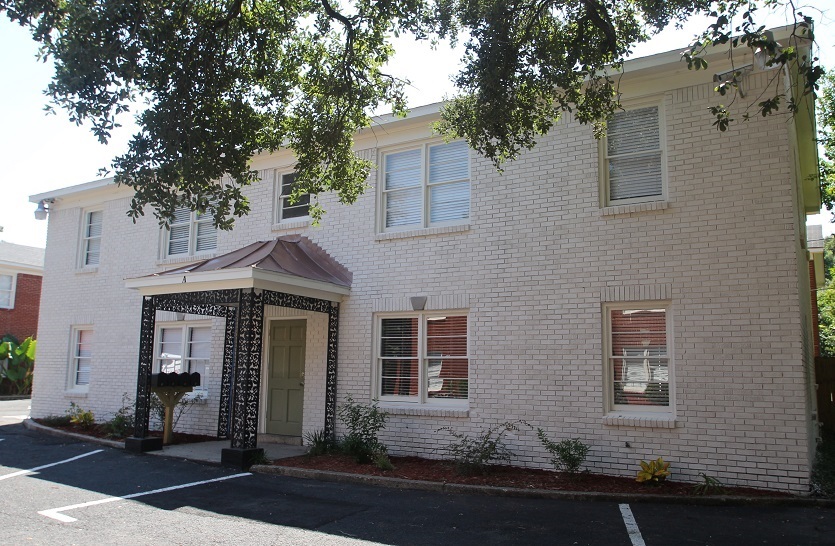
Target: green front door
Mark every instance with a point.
(285, 383)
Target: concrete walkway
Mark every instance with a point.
(209, 452)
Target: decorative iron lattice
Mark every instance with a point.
(197, 303)
(293, 301)
(227, 372)
(146, 362)
(247, 371)
(330, 382)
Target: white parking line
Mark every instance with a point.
(54, 513)
(631, 526)
(31, 470)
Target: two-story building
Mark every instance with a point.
(21, 272)
(647, 293)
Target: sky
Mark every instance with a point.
(40, 152)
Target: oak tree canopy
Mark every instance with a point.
(212, 82)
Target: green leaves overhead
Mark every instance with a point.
(215, 82)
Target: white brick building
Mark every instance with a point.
(648, 294)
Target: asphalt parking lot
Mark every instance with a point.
(59, 491)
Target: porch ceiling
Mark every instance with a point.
(292, 264)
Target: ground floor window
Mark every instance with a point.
(184, 349)
(82, 355)
(638, 362)
(423, 358)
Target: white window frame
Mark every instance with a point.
(422, 398)
(86, 238)
(425, 186)
(13, 289)
(279, 196)
(194, 221)
(603, 157)
(608, 365)
(186, 327)
(76, 358)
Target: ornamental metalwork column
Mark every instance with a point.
(140, 442)
(229, 339)
(330, 382)
(247, 381)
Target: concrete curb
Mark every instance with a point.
(16, 397)
(400, 483)
(37, 427)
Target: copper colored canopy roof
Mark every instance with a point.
(291, 255)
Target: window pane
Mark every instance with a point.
(404, 208)
(640, 367)
(6, 282)
(634, 131)
(399, 377)
(206, 235)
(446, 336)
(94, 224)
(181, 216)
(449, 202)
(91, 257)
(399, 337)
(171, 350)
(200, 344)
(297, 209)
(446, 363)
(403, 169)
(633, 177)
(83, 354)
(178, 239)
(84, 348)
(449, 162)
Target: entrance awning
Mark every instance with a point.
(291, 264)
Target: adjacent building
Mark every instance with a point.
(21, 272)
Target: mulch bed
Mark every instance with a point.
(416, 468)
(101, 431)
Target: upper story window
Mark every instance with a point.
(286, 209)
(7, 286)
(638, 362)
(426, 186)
(184, 349)
(422, 358)
(190, 233)
(91, 241)
(633, 162)
(82, 355)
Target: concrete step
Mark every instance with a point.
(279, 439)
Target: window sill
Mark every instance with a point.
(186, 259)
(647, 420)
(292, 224)
(76, 393)
(426, 411)
(87, 270)
(614, 210)
(420, 232)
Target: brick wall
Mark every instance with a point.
(22, 320)
(533, 270)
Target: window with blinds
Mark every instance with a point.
(634, 151)
(423, 358)
(190, 233)
(427, 186)
(286, 208)
(92, 238)
(639, 361)
(184, 349)
(7, 286)
(82, 356)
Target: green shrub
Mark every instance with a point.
(81, 417)
(121, 425)
(709, 486)
(18, 364)
(653, 472)
(566, 455)
(55, 420)
(474, 455)
(363, 421)
(319, 443)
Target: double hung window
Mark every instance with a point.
(638, 362)
(82, 355)
(286, 208)
(91, 245)
(427, 186)
(7, 286)
(184, 349)
(422, 358)
(190, 233)
(633, 166)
